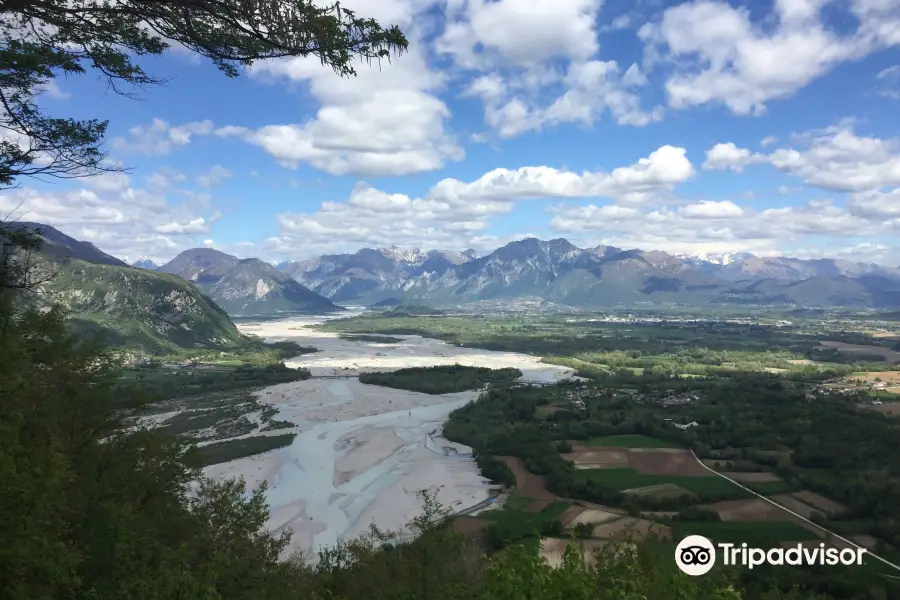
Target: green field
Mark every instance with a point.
(752, 532)
(631, 440)
(625, 479)
(520, 523)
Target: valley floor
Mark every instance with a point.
(362, 452)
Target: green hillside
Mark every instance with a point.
(143, 310)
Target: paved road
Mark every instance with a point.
(789, 511)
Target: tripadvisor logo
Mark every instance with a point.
(696, 555)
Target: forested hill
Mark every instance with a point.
(122, 306)
(138, 309)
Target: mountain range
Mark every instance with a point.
(245, 286)
(555, 271)
(604, 276)
(371, 273)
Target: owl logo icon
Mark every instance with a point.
(695, 555)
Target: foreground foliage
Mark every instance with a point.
(88, 511)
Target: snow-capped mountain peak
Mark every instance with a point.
(145, 263)
(716, 258)
(413, 255)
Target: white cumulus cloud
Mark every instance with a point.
(721, 56)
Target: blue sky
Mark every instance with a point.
(697, 127)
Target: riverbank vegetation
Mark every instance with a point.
(178, 381)
(251, 351)
(220, 452)
(442, 379)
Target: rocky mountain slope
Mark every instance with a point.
(369, 273)
(136, 308)
(126, 306)
(245, 286)
(560, 272)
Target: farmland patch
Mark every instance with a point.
(521, 524)
(889, 355)
(660, 490)
(764, 533)
(767, 488)
(801, 508)
(568, 517)
(631, 528)
(866, 541)
(632, 440)
(820, 502)
(627, 479)
(589, 457)
(530, 485)
(869, 376)
(762, 476)
(752, 509)
(593, 517)
(667, 462)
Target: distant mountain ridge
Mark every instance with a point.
(370, 273)
(554, 271)
(558, 271)
(245, 286)
(145, 263)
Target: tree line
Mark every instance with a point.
(443, 379)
